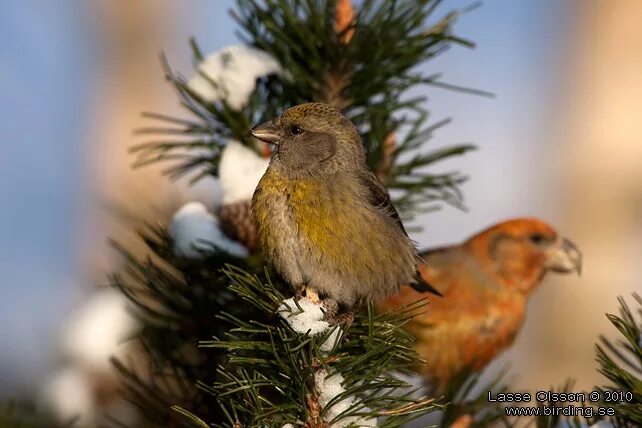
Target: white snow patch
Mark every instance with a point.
(310, 318)
(193, 229)
(240, 170)
(97, 330)
(328, 388)
(67, 396)
(230, 74)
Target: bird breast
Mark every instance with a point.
(325, 234)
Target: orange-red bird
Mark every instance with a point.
(485, 282)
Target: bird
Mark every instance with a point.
(485, 282)
(325, 221)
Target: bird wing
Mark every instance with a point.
(380, 197)
(473, 303)
(451, 271)
(466, 328)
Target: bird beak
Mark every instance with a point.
(563, 256)
(267, 132)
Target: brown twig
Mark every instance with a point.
(336, 81)
(389, 147)
(338, 77)
(314, 409)
(316, 363)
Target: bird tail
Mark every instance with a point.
(422, 286)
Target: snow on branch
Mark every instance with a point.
(305, 316)
(329, 388)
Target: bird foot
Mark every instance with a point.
(312, 295)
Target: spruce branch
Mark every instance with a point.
(196, 143)
(176, 301)
(257, 369)
(467, 397)
(621, 363)
(361, 60)
(270, 374)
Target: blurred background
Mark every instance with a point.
(562, 140)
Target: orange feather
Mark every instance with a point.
(485, 282)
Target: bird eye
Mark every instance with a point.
(537, 238)
(296, 130)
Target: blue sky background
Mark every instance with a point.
(45, 70)
(49, 57)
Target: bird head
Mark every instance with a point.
(521, 251)
(312, 138)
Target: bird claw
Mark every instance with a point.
(330, 306)
(312, 295)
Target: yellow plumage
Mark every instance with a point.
(324, 220)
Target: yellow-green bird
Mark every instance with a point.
(324, 219)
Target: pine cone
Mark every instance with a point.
(237, 223)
